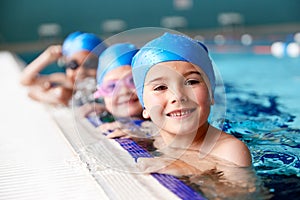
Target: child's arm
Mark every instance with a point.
(115, 130)
(89, 108)
(30, 73)
(164, 165)
(54, 95)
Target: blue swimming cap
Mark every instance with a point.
(68, 41)
(113, 57)
(170, 47)
(79, 41)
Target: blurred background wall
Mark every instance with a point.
(24, 21)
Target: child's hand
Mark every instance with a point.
(52, 95)
(118, 133)
(53, 52)
(89, 108)
(163, 165)
(106, 127)
(115, 130)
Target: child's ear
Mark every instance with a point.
(146, 114)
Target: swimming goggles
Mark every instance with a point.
(89, 63)
(108, 88)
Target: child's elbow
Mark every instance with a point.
(25, 81)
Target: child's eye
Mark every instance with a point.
(110, 87)
(160, 88)
(131, 81)
(191, 82)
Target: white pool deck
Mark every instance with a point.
(39, 151)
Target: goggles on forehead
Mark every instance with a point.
(108, 88)
(89, 63)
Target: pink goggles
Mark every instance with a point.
(108, 88)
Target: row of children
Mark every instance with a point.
(170, 81)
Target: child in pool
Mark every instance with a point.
(175, 84)
(80, 52)
(115, 85)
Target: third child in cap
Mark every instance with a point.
(79, 52)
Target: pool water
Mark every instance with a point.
(262, 109)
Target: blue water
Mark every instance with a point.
(262, 109)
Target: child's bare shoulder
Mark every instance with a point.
(232, 149)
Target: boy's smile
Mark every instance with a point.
(179, 114)
(176, 97)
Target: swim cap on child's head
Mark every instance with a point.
(79, 41)
(170, 47)
(113, 57)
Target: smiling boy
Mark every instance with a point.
(175, 84)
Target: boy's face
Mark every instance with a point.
(176, 97)
(123, 102)
(80, 72)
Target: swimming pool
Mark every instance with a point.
(262, 109)
(262, 94)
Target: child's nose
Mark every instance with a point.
(178, 96)
(123, 89)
